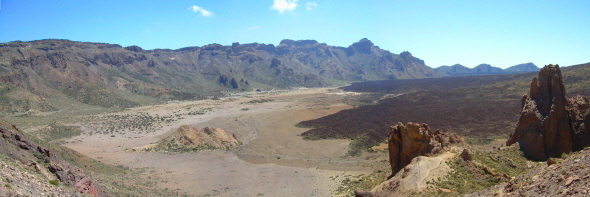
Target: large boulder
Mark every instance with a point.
(544, 127)
(409, 141)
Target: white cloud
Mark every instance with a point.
(282, 5)
(310, 5)
(253, 28)
(203, 12)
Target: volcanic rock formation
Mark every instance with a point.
(412, 140)
(549, 124)
(15, 145)
(190, 138)
(412, 150)
(579, 108)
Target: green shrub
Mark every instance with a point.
(54, 182)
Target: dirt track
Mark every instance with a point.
(274, 160)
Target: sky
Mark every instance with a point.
(501, 33)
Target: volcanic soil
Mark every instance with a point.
(273, 160)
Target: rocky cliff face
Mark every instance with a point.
(35, 157)
(109, 75)
(409, 141)
(549, 124)
(579, 112)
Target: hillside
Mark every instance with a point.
(484, 69)
(49, 75)
(526, 67)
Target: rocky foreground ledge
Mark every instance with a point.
(50, 169)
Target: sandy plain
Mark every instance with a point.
(273, 160)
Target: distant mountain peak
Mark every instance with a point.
(406, 54)
(365, 40)
(134, 48)
(484, 69)
(363, 46)
(525, 67)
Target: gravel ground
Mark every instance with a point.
(567, 177)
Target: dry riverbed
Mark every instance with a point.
(273, 160)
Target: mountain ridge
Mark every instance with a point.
(109, 75)
(485, 69)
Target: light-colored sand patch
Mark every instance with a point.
(347, 93)
(381, 146)
(223, 173)
(273, 161)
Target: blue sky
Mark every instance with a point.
(500, 33)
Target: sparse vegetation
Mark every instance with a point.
(358, 144)
(349, 183)
(94, 95)
(57, 131)
(488, 168)
(131, 123)
(172, 147)
(54, 182)
(260, 100)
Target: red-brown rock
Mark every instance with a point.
(72, 176)
(67, 173)
(578, 109)
(466, 155)
(412, 140)
(544, 128)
